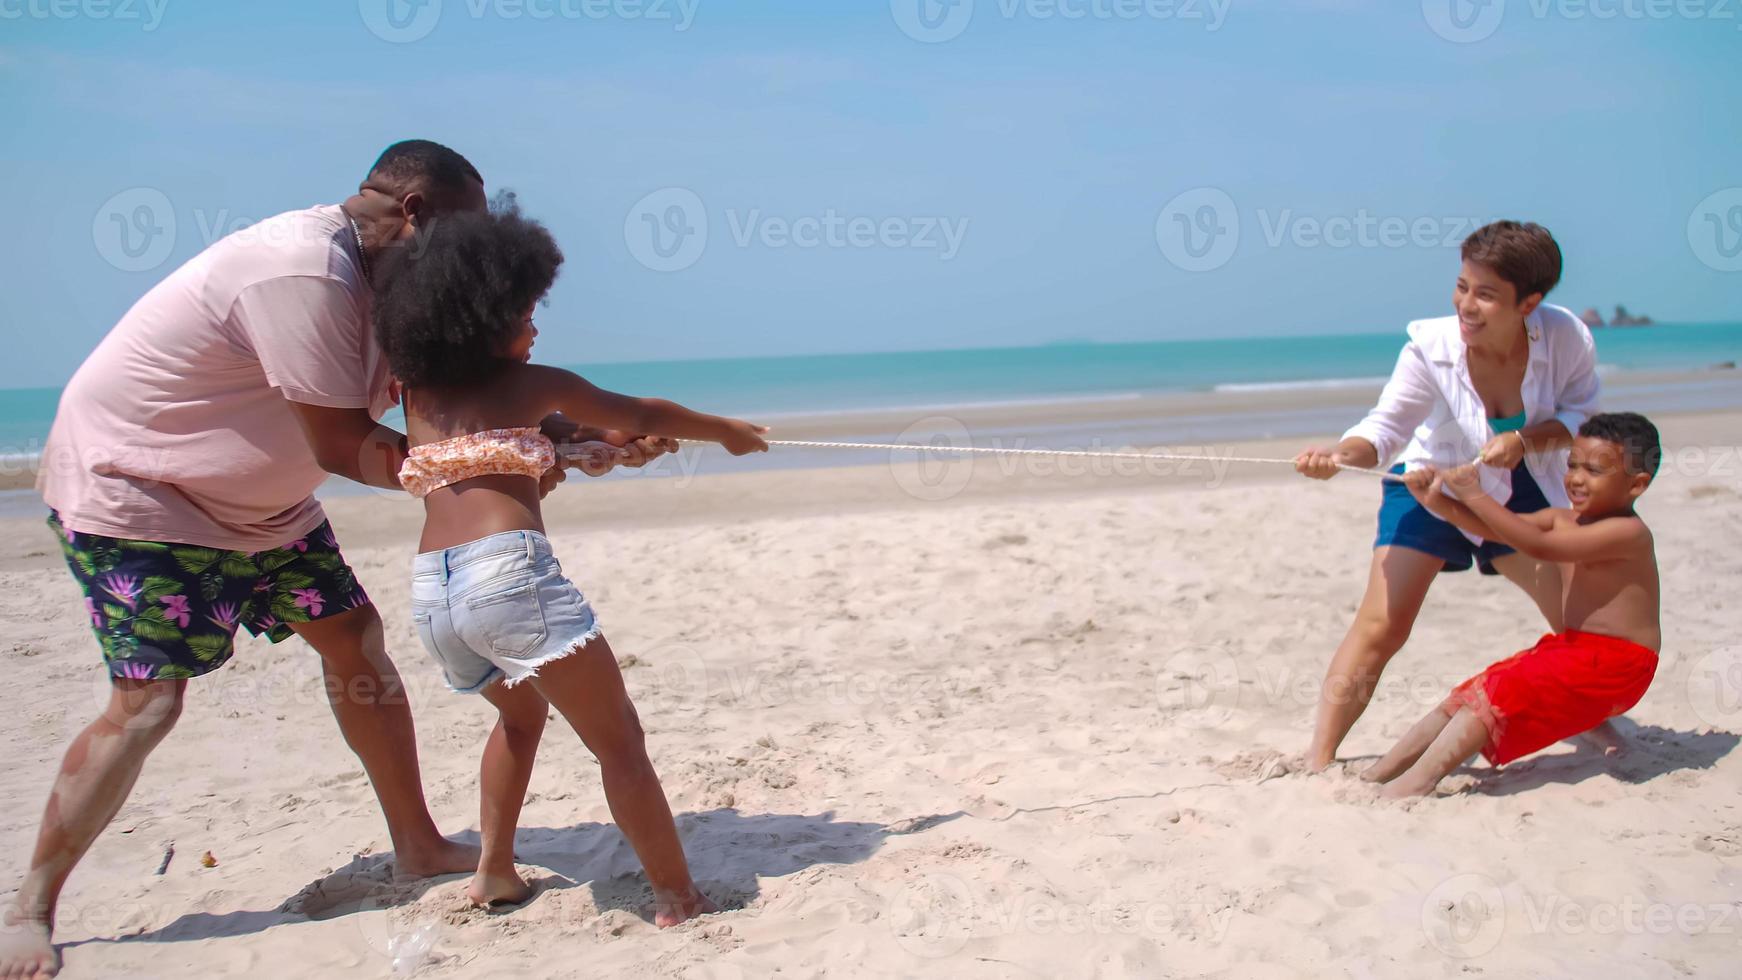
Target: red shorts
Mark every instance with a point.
(1568, 683)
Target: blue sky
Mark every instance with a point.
(1016, 183)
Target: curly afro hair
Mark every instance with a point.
(451, 300)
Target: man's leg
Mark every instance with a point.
(96, 775)
(1397, 584)
(369, 702)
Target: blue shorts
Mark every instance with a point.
(1407, 524)
(497, 608)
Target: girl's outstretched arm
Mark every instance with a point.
(574, 396)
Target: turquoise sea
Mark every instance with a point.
(764, 387)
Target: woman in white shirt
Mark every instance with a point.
(1508, 380)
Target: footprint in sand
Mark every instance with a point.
(345, 891)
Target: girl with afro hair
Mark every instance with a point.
(489, 599)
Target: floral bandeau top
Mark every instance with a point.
(513, 452)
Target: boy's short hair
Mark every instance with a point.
(1523, 253)
(1634, 433)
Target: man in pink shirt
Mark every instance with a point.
(180, 474)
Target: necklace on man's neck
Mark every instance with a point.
(362, 254)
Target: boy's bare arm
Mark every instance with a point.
(1541, 535)
(1432, 496)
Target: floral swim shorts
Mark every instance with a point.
(163, 611)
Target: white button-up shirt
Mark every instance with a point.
(1429, 412)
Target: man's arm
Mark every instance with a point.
(348, 443)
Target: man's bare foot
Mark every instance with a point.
(494, 890)
(446, 857)
(1317, 764)
(1605, 739)
(670, 910)
(26, 951)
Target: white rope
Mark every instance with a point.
(578, 450)
(1093, 454)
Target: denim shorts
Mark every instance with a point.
(497, 608)
(1404, 523)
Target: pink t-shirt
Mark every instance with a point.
(176, 428)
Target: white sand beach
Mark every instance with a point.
(1038, 728)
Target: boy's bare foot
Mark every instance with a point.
(670, 910)
(1605, 739)
(491, 891)
(26, 951)
(444, 858)
(1399, 789)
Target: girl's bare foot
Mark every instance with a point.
(26, 952)
(670, 910)
(495, 890)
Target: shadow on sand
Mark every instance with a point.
(1651, 752)
(760, 845)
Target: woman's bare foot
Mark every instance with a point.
(26, 951)
(670, 910)
(445, 857)
(495, 890)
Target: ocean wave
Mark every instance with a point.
(1123, 396)
(1247, 387)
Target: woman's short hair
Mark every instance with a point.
(1522, 253)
